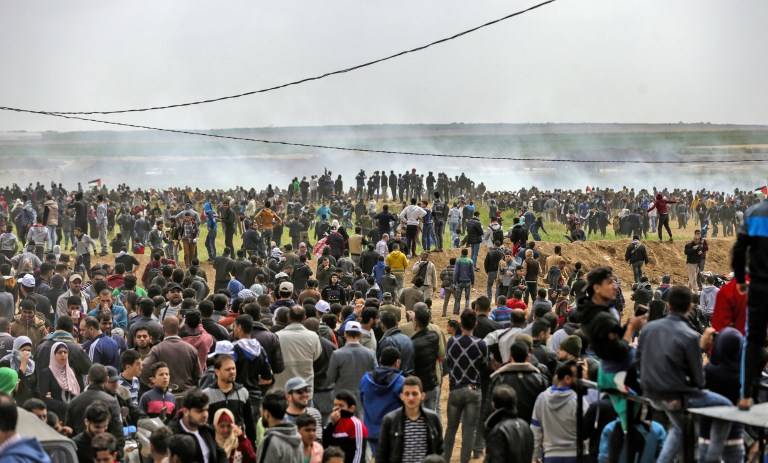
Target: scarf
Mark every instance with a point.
(231, 443)
(65, 376)
(14, 358)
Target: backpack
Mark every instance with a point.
(498, 235)
(421, 272)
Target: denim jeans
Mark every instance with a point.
(447, 297)
(731, 453)
(718, 431)
(461, 287)
(432, 400)
(464, 408)
(475, 252)
(210, 244)
(427, 237)
(489, 285)
(52, 236)
(439, 232)
(454, 228)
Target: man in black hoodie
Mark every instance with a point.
(509, 438)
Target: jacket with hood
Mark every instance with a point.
(554, 423)
(200, 340)
(24, 450)
(391, 440)
(722, 374)
(508, 438)
(271, 345)
(474, 231)
(730, 308)
(396, 338)
(707, 299)
(281, 443)
(380, 394)
(252, 364)
(526, 380)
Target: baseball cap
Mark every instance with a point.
(172, 286)
(28, 281)
(112, 374)
(286, 287)
(296, 384)
(353, 327)
(222, 348)
(322, 306)
(75, 276)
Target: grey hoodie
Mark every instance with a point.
(554, 423)
(281, 443)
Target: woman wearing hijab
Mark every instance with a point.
(20, 360)
(58, 383)
(230, 438)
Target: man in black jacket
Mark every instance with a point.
(509, 438)
(525, 379)
(192, 421)
(229, 221)
(475, 236)
(637, 256)
(491, 265)
(411, 432)
(75, 419)
(426, 345)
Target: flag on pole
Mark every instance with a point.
(763, 190)
(95, 183)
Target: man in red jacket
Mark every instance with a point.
(661, 205)
(730, 307)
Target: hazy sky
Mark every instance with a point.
(571, 61)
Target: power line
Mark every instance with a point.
(381, 151)
(316, 77)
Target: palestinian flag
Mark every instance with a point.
(95, 183)
(763, 190)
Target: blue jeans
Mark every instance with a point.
(475, 251)
(464, 408)
(731, 453)
(454, 228)
(210, 244)
(718, 431)
(52, 236)
(461, 287)
(427, 236)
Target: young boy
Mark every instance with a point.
(501, 314)
(130, 361)
(307, 426)
(344, 429)
(104, 448)
(333, 455)
(158, 402)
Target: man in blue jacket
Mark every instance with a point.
(380, 392)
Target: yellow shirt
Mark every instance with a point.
(397, 261)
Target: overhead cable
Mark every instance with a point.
(489, 157)
(312, 78)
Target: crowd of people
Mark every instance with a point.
(317, 338)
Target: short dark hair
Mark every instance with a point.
(304, 420)
(413, 381)
(156, 366)
(159, 439)
(65, 323)
(206, 308)
(104, 442)
(483, 304)
(679, 299)
(275, 403)
(596, 277)
(565, 370)
(519, 351)
(504, 396)
(97, 412)
(387, 319)
(333, 451)
(346, 397)
(220, 359)
(368, 314)
(539, 326)
(97, 374)
(245, 322)
(128, 358)
(195, 398)
(183, 446)
(468, 319)
(146, 306)
(9, 415)
(389, 355)
(34, 404)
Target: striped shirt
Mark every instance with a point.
(133, 387)
(415, 435)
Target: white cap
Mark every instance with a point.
(353, 327)
(322, 306)
(28, 281)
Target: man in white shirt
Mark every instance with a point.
(382, 248)
(412, 216)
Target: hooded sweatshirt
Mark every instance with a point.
(380, 394)
(707, 299)
(24, 450)
(200, 340)
(281, 443)
(554, 423)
